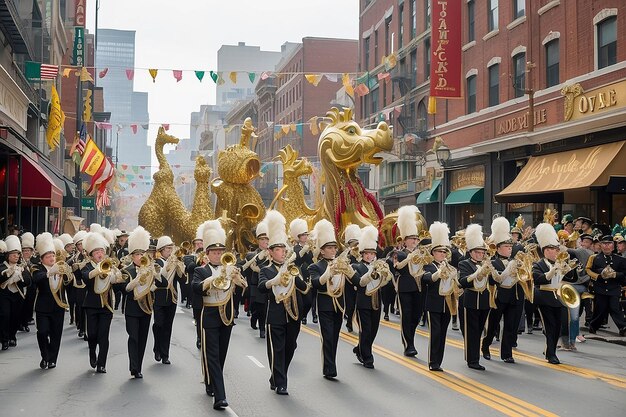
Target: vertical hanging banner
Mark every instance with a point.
(80, 10)
(79, 46)
(445, 69)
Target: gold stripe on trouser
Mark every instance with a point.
(545, 337)
(430, 334)
(465, 333)
(404, 342)
(358, 322)
(205, 365)
(269, 331)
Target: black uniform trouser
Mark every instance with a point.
(330, 326)
(162, 329)
(551, 318)
(28, 306)
(120, 297)
(461, 314)
(532, 312)
(281, 345)
(197, 316)
(214, 348)
(411, 309)
(604, 304)
(49, 332)
(258, 314)
(438, 327)
(237, 300)
(388, 295)
(369, 321)
(80, 317)
(512, 314)
(98, 327)
(10, 309)
(350, 298)
(309, 301)
(137, 329)
(474, 324)
(70, 291)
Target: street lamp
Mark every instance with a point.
(442, 152)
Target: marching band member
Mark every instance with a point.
(49, 304)
(473, 277)
(254, 262)
(191, 261)
(138, 279)
(165, 298)
(284, 287)
(441, 282)
(77, 263)
(509, 298)
(607, 272)
(215, 282)
(299, 231)
(351, 238)
(328, 278)
(548, 274)
(14, 278)
(98, 275)
(28, 252)
(370, 276)
(120, 249)
(409, 279)
(69, 248)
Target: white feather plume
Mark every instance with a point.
(353, 232)
(369, 238)
(324, 233)
(439, 233)
(138, 239)
(213, 233)
(474, 237)
(546, 235)
(407, 221)
(500, 230)
(44, 243)
(276, 224)
(297, 227)
(3, 246)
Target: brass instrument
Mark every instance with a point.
(105, 266)
(492, 248)
(64, 269)
(222, 282)
(291, 272)
(258, 257)
(525, 273)
(568, 296)
(183, 250)
(145, 261)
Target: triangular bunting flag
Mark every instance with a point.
(178, 74)
(265, 75)
(153, 73)
(133, 127)
(166, 126)
(145, 126)
(220, 78)
(102, 73)
(85, 75)
(130, 74)
(285, 129)
(347, 83)
(251, 76)
(67, 72)
(313, 78)
(332, 77)
(361, 90)
(199, 75)
(214, 76)
(233, 77)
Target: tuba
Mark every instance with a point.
(568, 296)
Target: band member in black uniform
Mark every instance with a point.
(408, 279)
(120, 251)
(440, 278)
(69, 248)
(299, 231)
(250, 270)
(352, 235)
(77, 262)
(369, 277)
(49, 305)
(459, 253)
(191, 261)
(28, 252)
(607, 273)
(196, 247)
(282, 282)
(165, 298)
(98, 277)
(138, 278)
(327, 276)
(388, 292)
(509, 295)
(14, 278)
(474, 278)
(548, 275)
(215, 282)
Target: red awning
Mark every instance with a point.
(38, 189)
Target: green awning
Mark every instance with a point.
(466, 196)
(429, 196)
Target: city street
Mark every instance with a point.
(591, 381)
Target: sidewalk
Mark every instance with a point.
(610, 334)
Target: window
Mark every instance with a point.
(374, 94)
(494, 85)
(413, 68)
(427, 14)
(470, 21)
(413, 18)
(519, 74)
(552, 63)
(607, 42)
(400, 25)
(366, 53)
(471, 93)
(384, 94)
(387, 36)
(519, 8)
(422, 117)
(427, 59)
(375, 48)
(492, 18)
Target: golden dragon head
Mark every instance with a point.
(293, 166)
(347, 145)
(163, 138)
(202, 172)
(239, 164)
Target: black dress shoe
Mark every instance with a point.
(262, 334)
(508, 360)
(209, 391)
(220, 405)
(592, 330)
(272, 387)
(282, 391)
(622, 332)
(554, 360)
(93, 361)
(314, 319)
(330, 377)
(410, 352)
(85, 337)
(349, 328)
(304, 321)
(157, 356)
(166, 361)
(81, 334)
(26, 329)
(138, 375)
(99, 370)
(5, 345)
(386, 317)
(43, 364)
(356, 351)
(12, 343)
(52, 365)
(253, 325)
(435, 368)
(198, 344)
(368, 365)
(248, 313)
(476, 366)
(486, 354)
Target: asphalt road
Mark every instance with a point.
(590, 382)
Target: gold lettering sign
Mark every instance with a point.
(471, 177)
(579, 103)
(520, 122)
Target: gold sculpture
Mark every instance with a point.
(570, 92)
(201, 210)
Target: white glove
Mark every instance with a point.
(325, 276)
(206, 284)
(255, 267)
(262, 255)
(304, 250)
(435, 276)
(273, 282)
(92, 274)
(552, 272)
(366, 278)
(132, 284)
(115, 276)
(511, 267)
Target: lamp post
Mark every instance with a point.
(443, 156)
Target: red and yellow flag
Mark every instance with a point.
(92, 158)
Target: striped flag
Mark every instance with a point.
(38, 71)
(49, 72)
(92, 158)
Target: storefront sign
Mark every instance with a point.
(79, 46)
(470, 177)
(79, 13)
(445, 70)
(13, 102)
(513, 124)
(88, 203)
(579, 104)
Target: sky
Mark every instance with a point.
(186, 35)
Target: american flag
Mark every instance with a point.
(49, 72)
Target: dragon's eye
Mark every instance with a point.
(351, 130)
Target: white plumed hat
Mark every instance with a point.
(66, 239)
(439, 233)
(3, 246)
(500, 231)
(109, 235)
(407, 221)
(298, 227)
(79, 236)
(261, 230)
(93, 241)
(276, 225)
(324, 233)
(13, 244)
(546, 236)
(95, 228)
(368, 239)
(138, 240)
(44, 244)
(198, 233)
(474, 237)
(213, 234)
(28, 240)
(353, 232)
(163, 242)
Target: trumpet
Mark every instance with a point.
(183, 250)
(222, 282)
(291, 272)
(105, 266)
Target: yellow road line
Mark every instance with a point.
(500, 401)
(570, 369)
